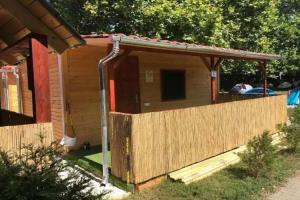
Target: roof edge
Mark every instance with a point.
(54, 12)
(226, 52)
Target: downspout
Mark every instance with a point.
(17, 77)
(104, 114)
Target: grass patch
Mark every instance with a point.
(93, 154)
(290, 111)
(231, 183)
(96, 169)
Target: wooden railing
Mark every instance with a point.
(144, 146)
(8, 118)
(12, 138)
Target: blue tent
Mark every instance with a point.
(293, 98)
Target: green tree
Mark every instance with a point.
(270, 26)
(38, 174)
(259, 156)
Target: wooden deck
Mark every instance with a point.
(148, 145)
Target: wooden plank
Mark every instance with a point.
(39, 56)
(213, 80)
(212, 165)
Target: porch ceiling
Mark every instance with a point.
(20, 18)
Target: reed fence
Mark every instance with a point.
(148, 145)
(14, 137)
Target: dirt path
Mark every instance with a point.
(290, 191)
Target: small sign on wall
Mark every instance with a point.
(149, 76)
(214, 74)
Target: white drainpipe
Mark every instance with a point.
(104, 114)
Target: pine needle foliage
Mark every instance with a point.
(292, 131)
(40, 173)
(259, 156)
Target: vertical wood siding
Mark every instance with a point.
(26, 93)
(81, 82)
(55, 94)
(162, 142)
(197, 80)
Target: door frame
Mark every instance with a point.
(112, 83)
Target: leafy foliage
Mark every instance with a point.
(271, 26)
(260, 155)
(292, 131)
(37, 174)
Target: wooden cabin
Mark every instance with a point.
(164, 109)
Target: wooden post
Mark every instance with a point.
(111, 75)
(213, 75)
(265, 81)
(38, 72)
(111, 83)
(112, 90)
(214, 67)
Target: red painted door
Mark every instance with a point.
(127, 86)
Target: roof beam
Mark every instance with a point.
(35, 25)
(7, 37)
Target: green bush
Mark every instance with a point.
(259, 156)
(36, 174)
(292, 131)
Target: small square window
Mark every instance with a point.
(172, 84)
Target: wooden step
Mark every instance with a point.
(198, 171)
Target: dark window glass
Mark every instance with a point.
(173, 84)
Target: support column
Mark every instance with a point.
(213, 75)
(112, 89)
(214, 67)
(38, 72)
(264, 74)
(111, 76)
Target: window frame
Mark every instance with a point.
(162, 71)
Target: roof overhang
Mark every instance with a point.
(21, 18)
(165, 46)
(195, 49)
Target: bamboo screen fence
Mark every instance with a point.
(148, 145)
(14, 137)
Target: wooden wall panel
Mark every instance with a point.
(162, 142)
(26, 93)
(81, 81)
(55, 94)
(197, 80)
(13, 93)
(55, 97)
